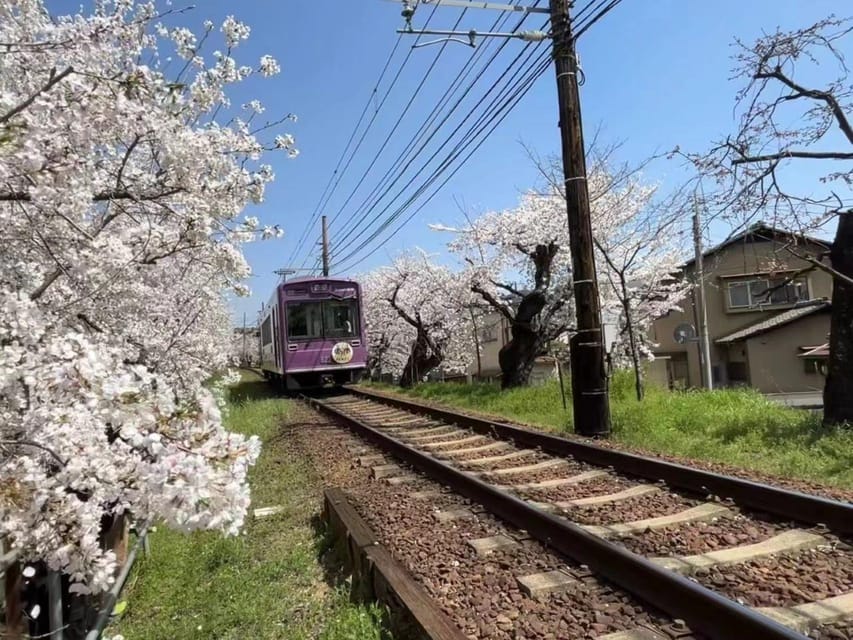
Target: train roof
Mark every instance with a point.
(306, 279)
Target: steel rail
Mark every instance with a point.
(791, 505)
(703, 610)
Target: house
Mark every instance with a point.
(492, 333)
(768, 317)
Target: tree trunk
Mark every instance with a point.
(632, 339)
(421, 361)
(838, 392)
(518, 356)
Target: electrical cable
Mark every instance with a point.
(529, 46)
(406, 155)
(497, 115)
(542, 69)
(399, 72)
(402, 115)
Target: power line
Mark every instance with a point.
(399, 119)
(530, 49)
(598, 16)
(370, 99)
(320, 204)
(540, 70)
(406, 154)
(492, 117)
(591, 13)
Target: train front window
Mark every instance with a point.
(304, 320)
(340, 318)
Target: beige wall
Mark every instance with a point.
(489, 349)
(737, 259)
(773, 363)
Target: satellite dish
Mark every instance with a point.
(684, 333)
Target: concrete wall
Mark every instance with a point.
(773, 363)
(743, 258)
(490, 326)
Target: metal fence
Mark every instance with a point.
(36, 602)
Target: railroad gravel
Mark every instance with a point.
(640, 508)
(481, 594)
(602, 485)
(785, 580)
(836, 631)
(701, 537)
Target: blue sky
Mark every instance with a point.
(657, 77)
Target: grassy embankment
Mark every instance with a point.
(737, 427)
(268, 583)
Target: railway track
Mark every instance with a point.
(730, 558)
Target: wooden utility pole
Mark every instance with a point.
(325, 249)
(699, 297)
(589, 377)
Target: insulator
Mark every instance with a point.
(532, 36)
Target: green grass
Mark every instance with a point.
(269, 582)
(733, 426)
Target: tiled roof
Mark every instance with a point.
(761, 232)
(780, 319)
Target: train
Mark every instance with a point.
(312, 334)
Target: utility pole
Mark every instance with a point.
(591, 403)
(586, 348)
(243, 357)
(699, 297)
(325, 249)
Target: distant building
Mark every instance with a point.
(493, 332)
(768, 318)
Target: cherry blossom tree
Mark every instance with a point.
(639, 238)
(530, 243)
(122, 186)
(388, 336)
(794, 114)
(419, 308)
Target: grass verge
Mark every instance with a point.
(268, 583)
(739, 427)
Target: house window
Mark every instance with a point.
(766, 292)
(812, 365)
(489, 333)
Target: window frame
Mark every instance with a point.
(355, 308)
(799, 284)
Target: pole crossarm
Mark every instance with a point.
(482, 5)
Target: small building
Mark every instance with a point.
(767, 308)
(493, 332)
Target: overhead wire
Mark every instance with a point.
(515, 100)
(411, 150)
(474, 136)
(401, 116)
(371, 99)
(598, 16)
(494, 113)
(529, 48)
(367, 104)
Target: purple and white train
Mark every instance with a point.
(312, 333)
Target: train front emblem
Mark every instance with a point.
(342, 352)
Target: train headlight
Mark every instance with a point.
(342, 352)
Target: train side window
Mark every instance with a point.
(304, 320)
(266, 331)
(340, 318)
